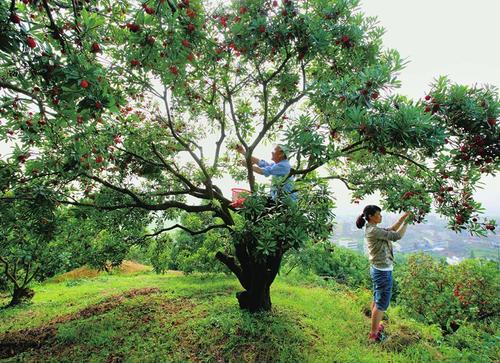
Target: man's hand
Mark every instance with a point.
(239, 148)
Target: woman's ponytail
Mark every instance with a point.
(360, 222)
(369, 210)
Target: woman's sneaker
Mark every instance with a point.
(374, 338)
(378, 337)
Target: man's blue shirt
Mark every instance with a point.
(278, 171)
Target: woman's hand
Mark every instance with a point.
(404, 216)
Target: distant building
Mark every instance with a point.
(453, 260)
(347, 243)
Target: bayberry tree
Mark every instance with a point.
(27, 226)
(124, 97)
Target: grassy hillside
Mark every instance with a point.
(174, 318)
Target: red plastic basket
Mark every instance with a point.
(238, 197)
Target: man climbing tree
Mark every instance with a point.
(122, 97)
(279, 168)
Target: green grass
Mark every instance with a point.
(196, 318)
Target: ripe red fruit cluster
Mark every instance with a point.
(98, 105)
(95, 48)
(15, 18)
(133, 27)
(490, 227)
(433, 107)
(31, 42)
(345, 41)
(99, 159)
(84, 83)
(148, 9)
(191, 28)
(22, 158)
(174, 70)
(185, 43)
(243, 10)
(190, 13)
(135, 62)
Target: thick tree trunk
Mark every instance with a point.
(20, 295)
(256, 277)
(256, 298)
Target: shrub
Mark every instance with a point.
(344, 265)
(436, 292)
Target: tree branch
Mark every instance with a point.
(191, 232)
(7, 272)
(20, 90)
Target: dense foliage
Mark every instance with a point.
(112, 103)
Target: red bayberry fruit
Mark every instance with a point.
(427, 98)
(492, 122)
(191, 28)
(262, 29)
(135, 62)
(95, 47)
(243, 10)
(84, 83)
(31, 42)
(133, 27)
(15, 18)
(174, 70)
(374, 95)
(99, 159)
(98, 105)
(185, 43)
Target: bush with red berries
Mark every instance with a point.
(449, 295)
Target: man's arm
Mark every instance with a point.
(241, 150)
(255, 168)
